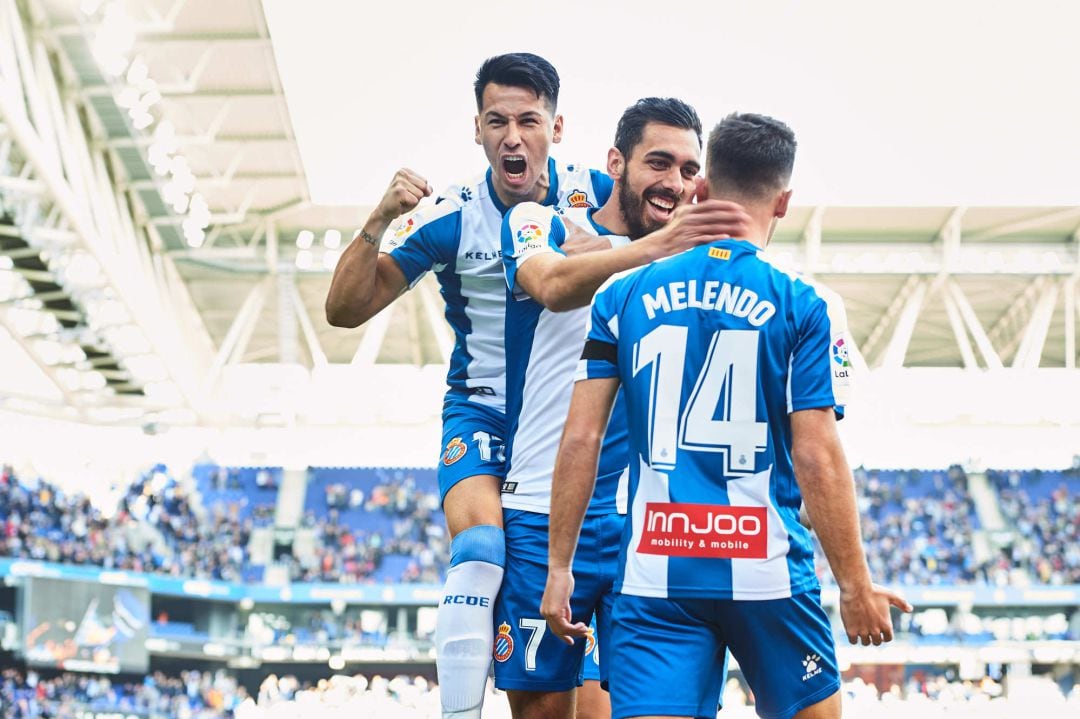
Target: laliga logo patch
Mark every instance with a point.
(577, 198)
(590, 642)
(504, 643)
(455, 450)
(529, 233)
(842, 360)
(406, 228)
(840, 353)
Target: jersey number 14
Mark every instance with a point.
(729, 374)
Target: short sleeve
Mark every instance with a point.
(820, 374)
(425, 239)
(600, 357)
(529, 230)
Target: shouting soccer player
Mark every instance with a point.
(458, 239)
(732, 393)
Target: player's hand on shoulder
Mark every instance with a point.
(555, 606)
(403, 195)
(865, 614)
(578, 241)
(705, 221)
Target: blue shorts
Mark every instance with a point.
(527, 656)
(784, 648)
(473, 442)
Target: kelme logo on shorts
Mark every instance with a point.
(455, 450)
(810, 664)
(504, 643)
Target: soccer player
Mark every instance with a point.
(655, 163)
(733, 390)
(458, 239)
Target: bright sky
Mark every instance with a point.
(968, 102)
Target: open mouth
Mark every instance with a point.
(514, 167)
(660, 206)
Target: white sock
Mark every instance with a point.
(464, 637)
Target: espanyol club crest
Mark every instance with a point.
(590, 642)
(577, 198)
(504, 643)
(455, 450)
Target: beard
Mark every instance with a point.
(632, 208)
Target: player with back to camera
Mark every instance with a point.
(732, 394)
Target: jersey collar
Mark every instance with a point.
(600, 229)
(552, 195)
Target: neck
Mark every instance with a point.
(611, 216)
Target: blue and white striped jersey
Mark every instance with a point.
(715, 348)
(542, 349)
(458, 239)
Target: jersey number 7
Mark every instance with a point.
(729, 376)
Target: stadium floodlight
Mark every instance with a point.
(127, 340)
(304, 259)
(332, 239)
(305, 239)
(164, 392)
(330, 259)
(138, 72)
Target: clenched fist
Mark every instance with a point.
(402, 196)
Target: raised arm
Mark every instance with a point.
(366, 281)
(828, 491)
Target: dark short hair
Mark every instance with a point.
(519, 69)
(664, 110)
(751, 155)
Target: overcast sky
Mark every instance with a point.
(913, 103)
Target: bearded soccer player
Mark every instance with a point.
(655, 163)
(732, 395)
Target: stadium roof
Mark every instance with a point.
(229, 284)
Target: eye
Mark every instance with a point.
(658, 164)
(689, 172)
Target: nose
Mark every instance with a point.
(513, 135)
(673, 180)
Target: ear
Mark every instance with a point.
(616, 163)
(702, 192)
(476, 128)
(556, 129)
(781, 207)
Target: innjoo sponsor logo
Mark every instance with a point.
(704, 530)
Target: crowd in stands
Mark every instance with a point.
(205, 695)
(192, 695)
(918, 528)
(352, 555)
(1047, 524)
(155, 528)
